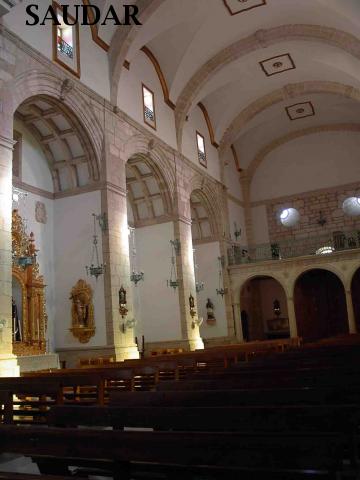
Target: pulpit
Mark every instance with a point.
(29, 306)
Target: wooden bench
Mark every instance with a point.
(120, 452)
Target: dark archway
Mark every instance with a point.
(355, 293)
(320, 305)
(264, 309)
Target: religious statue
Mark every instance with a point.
(122, 302)
(82, 311)
(192, 306)
(211, 320)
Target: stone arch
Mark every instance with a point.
(204, 223)
(244, 46)
(138, 144)
(320, 304)
(67, 98)
(259, 319)
(317, 266)
(265, 151)
(121, 41)
(147, 190)
(276, 96)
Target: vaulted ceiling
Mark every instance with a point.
(249, 62)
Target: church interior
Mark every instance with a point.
(180, 240)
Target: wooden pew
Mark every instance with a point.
(261, 396)
(120, 452)
(261, 418)
(28, 476)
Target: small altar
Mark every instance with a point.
(29, 317)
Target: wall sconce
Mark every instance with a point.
(221, 290)
(237, 231)
(197, 322)
(192, 306)
(122, 302)
(103, 223)
(128, 325)
(199, 286)
(322, 220)
(176, 245)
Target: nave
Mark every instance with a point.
(261, 410)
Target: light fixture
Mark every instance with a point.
(175, 250)
(199, 286)
(351, 206)
(325, 250)
(18, 195)
(237, 231)
(135, 275)
(289, 217)
(221, 290)
(97, 269)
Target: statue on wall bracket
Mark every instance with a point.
(82, 312)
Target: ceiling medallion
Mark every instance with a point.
(300, 110)
(239, 6)
(280, 63)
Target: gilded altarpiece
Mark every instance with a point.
(25, 271)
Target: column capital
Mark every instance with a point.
(7, 142)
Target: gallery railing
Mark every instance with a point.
(299, 247)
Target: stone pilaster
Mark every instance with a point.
(116, 254)
(186, 277)
(292, 317)
(350, 312)
(8, 364)
(245, 188)
(237, 320)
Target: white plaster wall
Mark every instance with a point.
(196, 121)
(130, 98)
(35, 168)
(236, 214)
(94, 63)
(160, 312)
(308, 163)
(231, 176)
(260, 224)
(208, 271)
(73, 231)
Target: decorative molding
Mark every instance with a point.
(160, 75)
(253, 4)
(7, 143)
(209, 124)
(236, 159)
(280, 95)
(231, 197)
(94, 29)
(300, 110)
(30, 189)
(258, 159)
(75, 27)
(272, 36)
(279, 64)
(310, 193)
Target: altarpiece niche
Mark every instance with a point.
(28, 293)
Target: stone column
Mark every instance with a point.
(237, 319)
(116, 252)
(186, 278)
(292, 317)
(8, 364)
(350, 312)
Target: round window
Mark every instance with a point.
(289, 217)
(351, 206)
